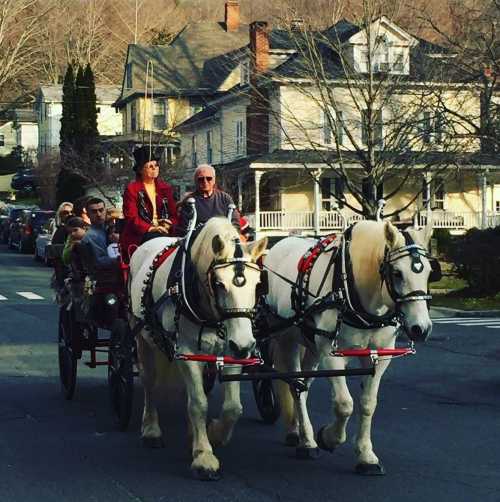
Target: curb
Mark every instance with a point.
(465, 313)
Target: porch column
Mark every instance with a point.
(257, 177)
(240, 191)
(427, 195)
(483, 187)
(317, 201)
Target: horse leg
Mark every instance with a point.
(205, 464)
(150, 429)
(333, 435)
(368, 463)
(220, 430)
(294, 404)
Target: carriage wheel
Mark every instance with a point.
(121, 373)
(209, 376)
(266, 400)
(66, 354)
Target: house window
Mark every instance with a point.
(128, 76)
(376, 124)
(239, 138)
(245, 72)
(436, 191)
(338, 125)
(381, 54)
(2, 140)
(133, 117)
(209, 147)
(399, 64)
(194, 154)
(497, 206)
(431, 127)
(159, 114)
(332, 193)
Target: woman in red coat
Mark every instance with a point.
(149, 207)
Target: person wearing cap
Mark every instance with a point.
(149, 208)
(210, 201)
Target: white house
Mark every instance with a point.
(7, 138)
(48, 107)
(26, 127)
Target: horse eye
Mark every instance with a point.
(397, 274)
(219, 284)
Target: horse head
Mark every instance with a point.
(405, 270)
(233, 277)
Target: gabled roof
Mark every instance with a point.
(104, 93)
(196, 62)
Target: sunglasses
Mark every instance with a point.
(205, 178)
(65, 213)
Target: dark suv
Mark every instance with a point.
(14, 214)
(23, 235)
(24, 180)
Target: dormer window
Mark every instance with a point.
(245, 72)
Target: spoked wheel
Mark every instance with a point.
(266, 400)
(67, 356)
(121, 373)
(209, 376)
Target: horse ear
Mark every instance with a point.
(257, 249)
(217, 245)
(391, 234)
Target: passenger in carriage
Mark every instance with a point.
(96, 235)
(149, 207)
(75, 228)
(210, 201)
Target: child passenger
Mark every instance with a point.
(75, 228)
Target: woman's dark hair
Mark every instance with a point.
(76, 222)
(79, 205)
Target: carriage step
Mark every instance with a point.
(91, 364)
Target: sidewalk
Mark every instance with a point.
(449, 312)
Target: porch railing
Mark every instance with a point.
(287, 221)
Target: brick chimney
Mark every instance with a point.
(232, 15)
(258, 110)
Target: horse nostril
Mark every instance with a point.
(238, 352)
(416, 332)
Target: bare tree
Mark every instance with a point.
(371, 112)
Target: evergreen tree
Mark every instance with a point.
(80, 100)
(91, 131)
(67, 132)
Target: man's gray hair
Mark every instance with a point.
(203, 167)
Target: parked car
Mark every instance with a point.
(44, 240)
(17, 222)
(24, 234)
(6, 223)
(24, 180)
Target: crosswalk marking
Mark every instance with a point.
(483, 322)
(29, 295)
(3, 297)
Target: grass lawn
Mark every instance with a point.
(449, 281)
(464, 299)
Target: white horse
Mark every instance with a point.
(390, 273)
(225, 280)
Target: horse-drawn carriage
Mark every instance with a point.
(193, 301)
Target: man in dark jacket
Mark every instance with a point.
(209, 201)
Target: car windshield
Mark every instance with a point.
(17, 213)
(38, 219)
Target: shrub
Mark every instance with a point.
(445, 241)
(476, 256)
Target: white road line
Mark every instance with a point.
(493, 327)
(479, 325)
(471, 321)
(3, 297)
(29, 295)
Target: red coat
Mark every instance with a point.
(138, 211)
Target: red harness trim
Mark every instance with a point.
(208, 358)
(373, 352)
(307, 261)
(164, 255)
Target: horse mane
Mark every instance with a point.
(202, 253)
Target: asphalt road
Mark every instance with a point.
(436, 429)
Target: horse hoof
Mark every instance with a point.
(320, 441)
(206, 474)
(152, 442)
(292, 439)
(370, 469)
(303, 453)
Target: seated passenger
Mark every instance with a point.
(75, 228)
(148, 203)
(210, 201)
(96, 236)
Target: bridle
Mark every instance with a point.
(415, 252)
(240, 264)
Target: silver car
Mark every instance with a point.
(43, 240)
